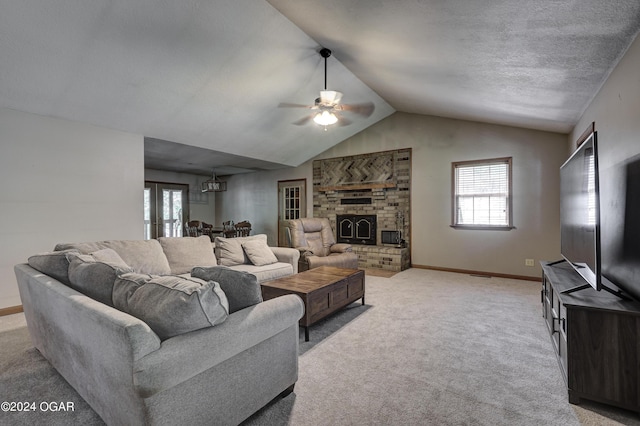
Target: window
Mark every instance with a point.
(482, 194)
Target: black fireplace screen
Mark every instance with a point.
(356, 229)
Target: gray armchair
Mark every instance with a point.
(313, 237)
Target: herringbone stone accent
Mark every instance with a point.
(357, 170)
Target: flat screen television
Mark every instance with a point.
(580, 213)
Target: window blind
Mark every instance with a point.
(482, 193)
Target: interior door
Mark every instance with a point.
(166, 207)
(292, 204)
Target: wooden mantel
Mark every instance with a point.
(357, 187)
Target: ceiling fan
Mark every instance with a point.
(327, 109)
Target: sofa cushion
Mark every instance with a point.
(55, 264)
(144, 256)
(171, 305)
(266, 272)
(229, 251)
(242, 288)
(94, 274)
(186, 252)
(259, 252)
(111, 257)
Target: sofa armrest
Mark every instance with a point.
(341, 248)
(52, 307)
(183, 357)
(92, 345)
(287, 255)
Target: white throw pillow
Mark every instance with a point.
(230, 251)
(259, 252)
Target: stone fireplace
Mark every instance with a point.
(377, 186)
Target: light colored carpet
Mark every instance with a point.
(435, 348)
(428, 348)
(377, 272)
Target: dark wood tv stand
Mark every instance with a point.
(596, 339)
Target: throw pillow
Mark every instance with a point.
(171, 305)
(259, 252)
(186, 252)
(230, 252)
(94, 274)
(242, 288)
(55, 264)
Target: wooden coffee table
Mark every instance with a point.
(323, 290)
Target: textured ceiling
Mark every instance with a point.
(534, 64)
(202, 80)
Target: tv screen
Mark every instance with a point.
(620, 222)
(579, 212)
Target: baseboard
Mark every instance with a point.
(11, 310)
(482, 273)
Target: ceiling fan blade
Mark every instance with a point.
(365, 109)
(343, 121)
(303, 120)
(290, 105)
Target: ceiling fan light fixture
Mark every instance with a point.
(328, 109)
(330, 96)
(325, 118)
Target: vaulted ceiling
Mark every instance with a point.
(202, 80)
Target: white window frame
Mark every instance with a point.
(482, 194)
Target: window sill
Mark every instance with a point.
(484, 227)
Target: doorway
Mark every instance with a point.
(292, 204)
(166, 207)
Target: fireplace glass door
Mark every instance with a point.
(356, 229)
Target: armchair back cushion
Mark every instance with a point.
(312, 232)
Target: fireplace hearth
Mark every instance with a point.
(356, 229)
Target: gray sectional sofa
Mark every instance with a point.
(168, 347)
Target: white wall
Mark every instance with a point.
(63, 181)
(616, 109)
(201, 205)
(436, 142)
(254, 197)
